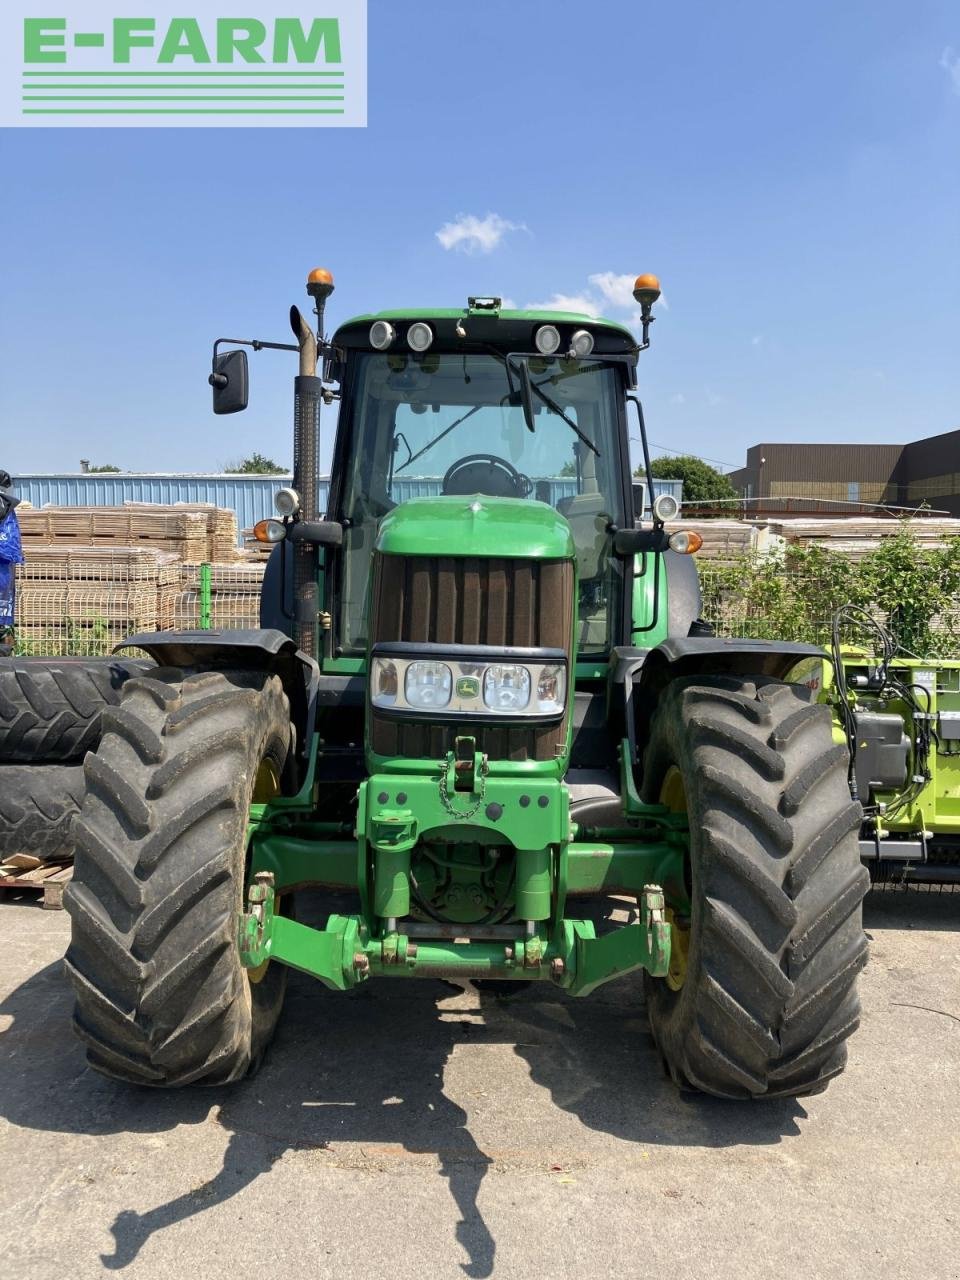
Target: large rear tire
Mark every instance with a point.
(762, 995)
(37, 806)
(161, 996)
(50, 707)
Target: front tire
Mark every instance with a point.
(766, 997)
(161, 996)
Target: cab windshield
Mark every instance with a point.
(453, 424)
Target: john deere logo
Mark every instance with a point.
(92, 65)
(468, 687)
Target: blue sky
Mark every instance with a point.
(792, 173)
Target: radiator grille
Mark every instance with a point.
(449, 600)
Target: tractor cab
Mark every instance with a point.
(433, 407)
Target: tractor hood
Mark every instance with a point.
(476, 525)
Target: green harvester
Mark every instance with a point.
(482, 722)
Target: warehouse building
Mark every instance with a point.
(903, 475)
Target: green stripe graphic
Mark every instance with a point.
(189, 97)
(183, 73)
(193, 86)
(183, 111)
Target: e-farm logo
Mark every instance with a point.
(150, 65)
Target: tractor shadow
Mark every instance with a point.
(367, 1070)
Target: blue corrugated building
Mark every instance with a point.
(250, 496)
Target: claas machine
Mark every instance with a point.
(480, 713)
(899, 715)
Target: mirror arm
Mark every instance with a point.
(635, 400)
(256, 343)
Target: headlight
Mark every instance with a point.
(427, 685)
(665, 507)
(581, 344)
(419, 336)
(467, 683)
(286, 502)
(506, 688)
(547, 339)
(382, 335)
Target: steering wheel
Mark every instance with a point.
(485, 473)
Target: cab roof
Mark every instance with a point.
(508, 328)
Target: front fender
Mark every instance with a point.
(254, 649)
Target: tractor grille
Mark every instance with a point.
(447, 600)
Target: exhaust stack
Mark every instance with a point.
(308, 396)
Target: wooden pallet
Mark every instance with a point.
(180, 531)
(221, 525)
(106, 563)
(50, 880)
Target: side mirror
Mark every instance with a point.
(230, 381)
(630, 542)
(321, 533)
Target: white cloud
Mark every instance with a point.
(678, 398)
(579, 302)
(756, 340)
(950, 61)
(470, 234)
(617, 290)
(611, 295)
(507, 304)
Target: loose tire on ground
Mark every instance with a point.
(37, 807)
(775, 939)
(161, 996)
(50, 707)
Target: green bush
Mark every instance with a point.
(792, 593)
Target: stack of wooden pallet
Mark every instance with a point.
(234, 596)
(854, 537)
(221, 532)
(182, 532)
(81, 599)
(254, 551)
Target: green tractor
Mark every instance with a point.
(485, 722)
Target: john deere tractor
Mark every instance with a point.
(483, 717)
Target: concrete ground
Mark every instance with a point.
(409, 1130)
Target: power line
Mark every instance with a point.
(734, 466)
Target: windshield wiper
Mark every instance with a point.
(552, 404)
(436, 439)
(549, 402)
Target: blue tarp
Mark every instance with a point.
(11, 553)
